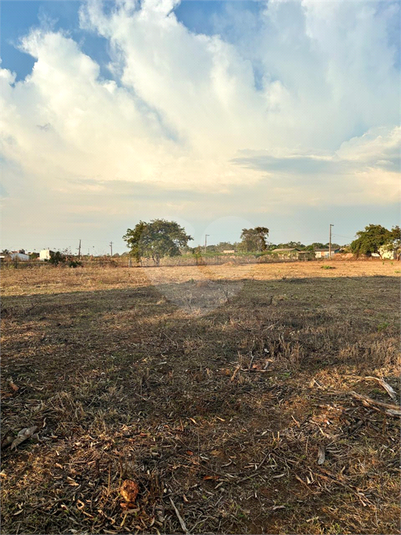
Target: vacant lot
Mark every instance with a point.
(229, 393)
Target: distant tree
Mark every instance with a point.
(291, 245)
(226, 246)
(156, 239)
(5, 252)
(254, 239)
(56, 258)
(33, 256)
(396, 235)
(371, 239)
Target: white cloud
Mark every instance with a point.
(309, 89)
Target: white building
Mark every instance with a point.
(322, 253)
(44, 254)
(389, 252)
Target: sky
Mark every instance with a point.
(218, 115)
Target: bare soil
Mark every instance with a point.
(227, 393)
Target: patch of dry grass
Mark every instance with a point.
(216, 387)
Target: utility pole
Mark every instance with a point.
(111, 248)
(330, 240)
(79, 248)
(206, 236)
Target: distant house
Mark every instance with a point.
(389, 252)
(45, 254)
(322, 253)
(19, 256)
(229, 251)
(325, 253)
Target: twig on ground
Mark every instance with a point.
(255, 473)
(180, 519)
(237, 369)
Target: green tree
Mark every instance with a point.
(318, 245)
(57, 258)
(254, 239)
(156, 239)
(396, 235)
(370, 240)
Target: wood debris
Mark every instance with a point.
(23, 435)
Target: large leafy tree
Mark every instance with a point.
(254, 239)
(156, 239)
(396, 236)
(371, 239)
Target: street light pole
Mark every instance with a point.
(330, 240)
(206, 236)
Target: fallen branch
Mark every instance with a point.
(389, 389)
(182, 523)
(389, 408)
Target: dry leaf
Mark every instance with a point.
(129, 491)
(23, 435)
(12, 385)
(321, 455)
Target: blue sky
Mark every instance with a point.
(219, 115)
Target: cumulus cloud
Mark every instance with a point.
(295, 100)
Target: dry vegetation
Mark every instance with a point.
(225, 393)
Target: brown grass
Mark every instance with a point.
(215, 386)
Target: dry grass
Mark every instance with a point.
(214, 386)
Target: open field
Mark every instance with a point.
(226, 391)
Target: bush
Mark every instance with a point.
(74, 263)
(56, 258)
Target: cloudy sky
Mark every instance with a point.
(218, 115)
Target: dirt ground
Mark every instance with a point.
(240, 399)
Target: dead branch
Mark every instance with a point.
(180, 519)
(392, 410)
(389, 389)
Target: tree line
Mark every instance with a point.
(159, 238)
